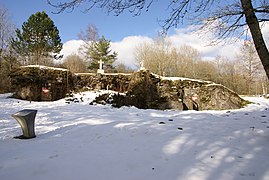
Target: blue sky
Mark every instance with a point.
(70, 24)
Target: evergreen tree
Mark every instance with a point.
(39, 39)
(100, 50)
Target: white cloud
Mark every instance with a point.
(202, 44)
(71, 47)
(126, 49)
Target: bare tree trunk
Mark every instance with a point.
(255, 31)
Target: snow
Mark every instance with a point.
(99, 142)
(45, 67)
(182, 79)
(112, 74)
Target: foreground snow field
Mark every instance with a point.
(78, 141)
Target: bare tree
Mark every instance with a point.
(122, 68)
(75, 64)
(164, 59)
(227, 17)
(141, 53)
(156, 57)
(189, 57)
(7, 30)
(228, 74)
(7, 56)
(89, 36)
(205, 70)
(250, 64)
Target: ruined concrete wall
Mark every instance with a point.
(143, 89)
(41, 83)
(180, 94)
(92, 81)
(146, 90)
(151, 91)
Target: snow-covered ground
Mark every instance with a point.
(78, 141)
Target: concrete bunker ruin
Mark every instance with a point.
(142, 89)
(41, 83)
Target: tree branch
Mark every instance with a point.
(224, 19)
(115, 6)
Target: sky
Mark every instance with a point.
(70, 24)
(125, 31)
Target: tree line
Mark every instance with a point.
(244, 74)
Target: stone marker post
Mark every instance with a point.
(26, 119)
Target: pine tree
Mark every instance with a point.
(100, 50)
(38, 39)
